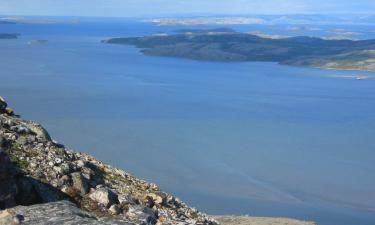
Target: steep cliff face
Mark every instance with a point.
(50, 184)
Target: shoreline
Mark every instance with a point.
(250, 220)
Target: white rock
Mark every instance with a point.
(114, 209)
(58, 160)
(104, 196)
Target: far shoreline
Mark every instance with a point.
(250, 220)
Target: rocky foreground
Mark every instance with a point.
(44, 183)
(61, 184)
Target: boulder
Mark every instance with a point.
(104, 196)
(155, 199)
(55, 213)
(80, 183)
(4, 107)
(46, 192)
(9, 111)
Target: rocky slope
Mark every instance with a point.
(44, 183)
(61, 186)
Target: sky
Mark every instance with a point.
(141, 8)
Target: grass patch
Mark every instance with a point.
(14, 152)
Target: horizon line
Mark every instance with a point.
(190, 14)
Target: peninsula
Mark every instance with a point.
(231, 46)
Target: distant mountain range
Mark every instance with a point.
(235, 46)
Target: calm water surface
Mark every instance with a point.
(230, 138)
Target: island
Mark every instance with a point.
(206, 21)
(6, 22)
(38, 41)
(232, 46)
(9, 36)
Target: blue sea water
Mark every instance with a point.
(229, 138)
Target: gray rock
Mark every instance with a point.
(156, 199)
(56, 213)
(23, 140)
(46, 192)
(80, 183)
(143, 215)
(64, 168)
(104, 196)
(80, 163)
(21, 129)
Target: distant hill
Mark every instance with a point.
(235, 46)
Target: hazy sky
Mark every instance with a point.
(131, 8)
